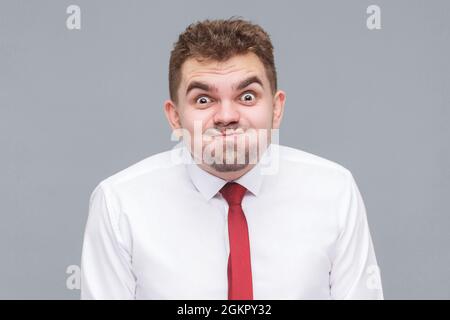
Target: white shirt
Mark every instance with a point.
(158, 230)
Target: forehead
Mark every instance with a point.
(236, 67)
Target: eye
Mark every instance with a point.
(202, 100)
(248, 97)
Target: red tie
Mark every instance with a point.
(239, 265)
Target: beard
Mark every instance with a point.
(229, 154)
(231, 167)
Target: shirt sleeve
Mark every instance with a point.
(106, 269)
(355, 273)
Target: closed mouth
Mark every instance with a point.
(226, 133)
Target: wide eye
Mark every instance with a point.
(248, 97)
(203, 100)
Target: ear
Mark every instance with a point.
(172, 114)
(278, 108)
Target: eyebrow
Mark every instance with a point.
(206, 87)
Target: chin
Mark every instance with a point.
(223, 167)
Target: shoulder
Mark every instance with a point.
(311, 173)
(319, 179)
(297, 159)
(153, 169)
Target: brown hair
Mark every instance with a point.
(220, 40)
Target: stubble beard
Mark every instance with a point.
(233, 157)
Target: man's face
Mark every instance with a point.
(232, 104)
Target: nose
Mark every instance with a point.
(226, 113)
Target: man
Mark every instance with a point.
(230, 214)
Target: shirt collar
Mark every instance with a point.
(209, 185)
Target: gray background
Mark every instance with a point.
(77, 106)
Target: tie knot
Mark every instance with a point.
(233, 192)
